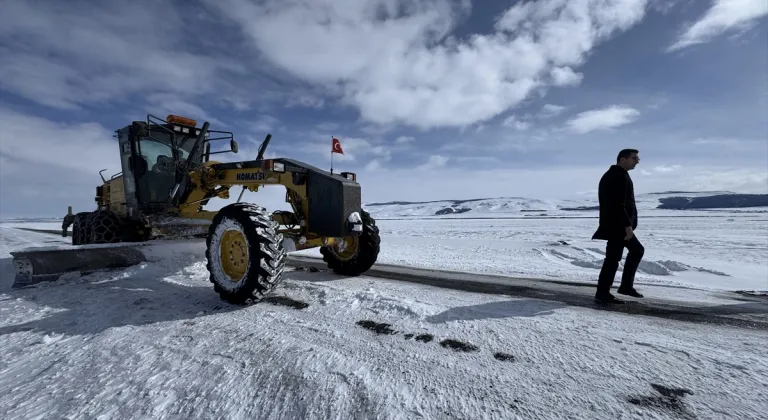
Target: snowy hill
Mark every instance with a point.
(522, 206)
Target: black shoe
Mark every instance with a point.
(630, 292)
(607, 298)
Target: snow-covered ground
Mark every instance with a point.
(720, 251)
(155, 341)
(727, 252)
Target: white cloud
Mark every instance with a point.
(715, 141)
(565, 76)
(162, 104)
(746, 180)
(434, 162)
(667, 168)
(373, 165)
(518, 125)
(731, 143)
(722, 16)
(601, 119)
(665, 6)
(43, 144)
(45, 166)
(394, 61)
(551, 110)
(404, 139)
(704, 178)
(70, 56)
(263, 124)
(327, 126)
(307, 101)
(383, 152)
(477, 159)
(317, 145)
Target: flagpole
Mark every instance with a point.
(331, 155)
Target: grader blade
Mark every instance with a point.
(37, 265)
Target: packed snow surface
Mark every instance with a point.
(155, 341)
(725, 252)
(720, 251)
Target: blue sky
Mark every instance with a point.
(431, 99)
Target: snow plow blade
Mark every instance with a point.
(33, 266)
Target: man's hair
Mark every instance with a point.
(625, 154)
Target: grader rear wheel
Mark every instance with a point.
(97, 227)
(105, 227)
(245, 253)
(81, 228)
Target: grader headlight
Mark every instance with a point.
(355, 221)
(275, 166)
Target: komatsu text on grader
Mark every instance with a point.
(167, 177)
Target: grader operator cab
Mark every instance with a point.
(168, 177)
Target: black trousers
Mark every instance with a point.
(614, 250)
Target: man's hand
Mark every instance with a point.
(630, 233)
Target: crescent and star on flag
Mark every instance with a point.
(335, 148)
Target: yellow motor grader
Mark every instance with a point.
(168, 177)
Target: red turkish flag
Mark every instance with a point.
(336, 146)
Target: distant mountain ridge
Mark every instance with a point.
(714, 201)
(457, 202)
(469, 200)
(667, 200)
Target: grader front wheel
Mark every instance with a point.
(245, 253)
(354, 255)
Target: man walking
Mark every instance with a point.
(618, 221)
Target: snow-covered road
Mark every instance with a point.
(725, 253)
(154, 341)
(717, 251)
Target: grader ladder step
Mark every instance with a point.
(36, 265)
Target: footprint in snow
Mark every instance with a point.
(669, 400)
(381, 328)
(286, 301)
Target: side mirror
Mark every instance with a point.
(141, 129)
(233, 145)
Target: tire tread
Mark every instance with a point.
(268, 257)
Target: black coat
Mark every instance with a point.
(618, 210)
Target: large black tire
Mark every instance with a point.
(81, 228)
(257, 257)
(356, 261)
(105, 227)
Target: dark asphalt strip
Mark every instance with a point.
(751, 312)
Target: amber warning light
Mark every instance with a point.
(175, 119)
